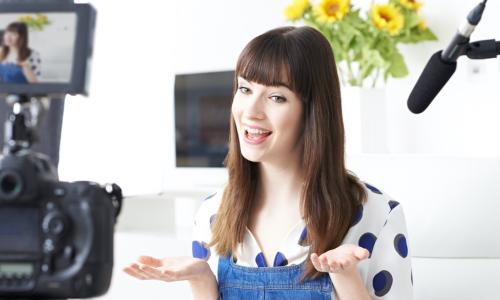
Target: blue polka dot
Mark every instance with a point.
(200, 250)
(280, 260)
(367, 241)
(382, 283)
(211, 196)
(303, 236)
(400, 245)
(260, 260)
(212, 219)
(357, 215)
(373, 189)
(393, 204)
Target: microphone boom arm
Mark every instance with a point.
(482, 49)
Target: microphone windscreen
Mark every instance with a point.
(434, 76)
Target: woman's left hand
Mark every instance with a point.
(340, 259)
(24, 65)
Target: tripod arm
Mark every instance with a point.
(483, 49)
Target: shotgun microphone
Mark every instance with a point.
(443, 64)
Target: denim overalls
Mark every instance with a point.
(240, 282)
(12, 73)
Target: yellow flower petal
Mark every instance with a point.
(421, 25)
(411, 4)
(387, 17)
(329, 11)
(296, 10)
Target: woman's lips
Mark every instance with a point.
(255, 139)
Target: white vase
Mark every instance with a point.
(365, 119)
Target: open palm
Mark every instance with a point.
(168, 269)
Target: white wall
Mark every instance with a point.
(124, 131)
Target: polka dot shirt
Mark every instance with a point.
(34, 62)
(378, 226)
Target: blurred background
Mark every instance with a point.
(442, 165)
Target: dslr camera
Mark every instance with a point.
(56, 238)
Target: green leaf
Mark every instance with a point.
(398, 67)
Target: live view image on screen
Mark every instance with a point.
(36, 47)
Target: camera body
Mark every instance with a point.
(56, 238)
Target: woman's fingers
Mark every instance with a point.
(338, 260)
(361, 253)
(151, 272)
(134, 272)
(324, 262)
(168, 269)
(315, 262)
(150, 261)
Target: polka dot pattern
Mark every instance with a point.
(382, 283)
(378, 225)
(373, 189)
(212, 219)
(200, 250)
(260, 260)
(211, 196)
(358, 215)
(393, 204)
(400, 245)
(302, 239)
(367, 241)
(280, 260)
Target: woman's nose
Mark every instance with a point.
(254, 108)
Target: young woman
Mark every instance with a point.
(291, 222)
(18, 63)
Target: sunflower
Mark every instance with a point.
(387, 17)
(296, 10)
(421, 25)
(411, 4)
(329, 11)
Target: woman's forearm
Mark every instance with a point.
(30, 76)
(349, 285)
(205, 288)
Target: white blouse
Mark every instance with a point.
(379, 226)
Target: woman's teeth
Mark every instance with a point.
(255, 133)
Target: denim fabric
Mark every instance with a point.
(239, 282)
(12, 73)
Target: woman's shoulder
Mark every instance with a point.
(34, 54)
(378, 201)
(374, 213)
(209, 205)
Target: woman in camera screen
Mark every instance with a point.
(18, 63)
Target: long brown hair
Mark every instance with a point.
(22, 30)
(303, 58)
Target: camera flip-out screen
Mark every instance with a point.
(45, 48)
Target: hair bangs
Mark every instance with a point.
(265, 61)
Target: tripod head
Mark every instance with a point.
(21, 125)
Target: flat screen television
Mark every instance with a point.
(202, 108)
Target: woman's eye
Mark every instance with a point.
(278, 99)
(243, 89)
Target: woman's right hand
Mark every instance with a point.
(169, 268)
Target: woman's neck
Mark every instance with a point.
(280, 185)
(13, 54)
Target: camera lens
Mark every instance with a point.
(10, 185)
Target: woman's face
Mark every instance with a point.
(10, 38)
(268, 120)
